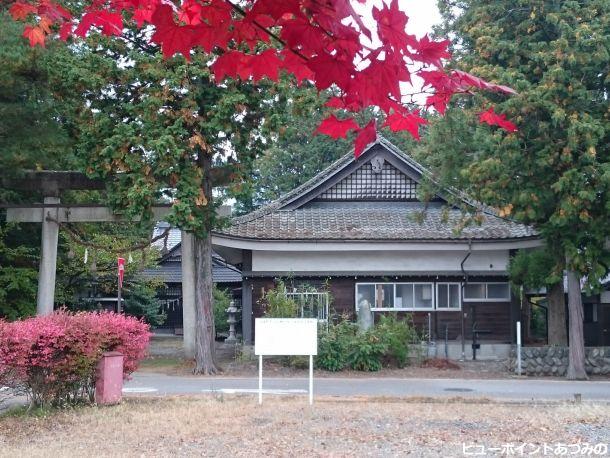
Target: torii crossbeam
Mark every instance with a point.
(51, 213)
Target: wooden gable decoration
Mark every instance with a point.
(376, 179)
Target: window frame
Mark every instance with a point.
(448, 284)
(398, 309)
(463, 297)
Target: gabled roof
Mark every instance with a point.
(326, 208)
(169, 269)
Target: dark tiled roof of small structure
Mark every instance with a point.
(397, 221)
(173, 237)
(169, 271)
(383, 221)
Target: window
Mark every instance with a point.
(365, 293)
(395, 296)
(487, 292)
(448, 296)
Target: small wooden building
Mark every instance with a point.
(359, 228)
(169, 271)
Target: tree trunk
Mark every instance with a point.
(204, 334)
(557, 331)
(576, 365)
(204, 312)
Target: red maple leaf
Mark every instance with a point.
(346, 102)
(266, 64)
(391, 26)
(437, 79)
(65, 31)
(233, 64)
(344, 9)
(329, 69)
(190, 12)
(466, 79)
(209, 37)
(323, 44)
(276, 9)
(34, 34)
(173, 38)
(20, 10)
(366, 136)
(493, 119)
(296, 32)
(409, 122)
(143, 15)
(296, 65)
(53, 11)
(246, 31)
(336, 128)
(431, 52)
(110, 23)
(439, 101)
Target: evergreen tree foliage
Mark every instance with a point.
(554, 173)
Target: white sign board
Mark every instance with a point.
(285, 336)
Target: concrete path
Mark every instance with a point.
(503, 390)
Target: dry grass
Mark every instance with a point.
(214, 426)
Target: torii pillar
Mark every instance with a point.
(51, 213)
(45, 296)
(189, 329)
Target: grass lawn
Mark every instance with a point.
(237, 426)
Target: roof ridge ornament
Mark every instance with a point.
(377, 163)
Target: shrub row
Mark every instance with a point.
(53, 358)
(343, 345)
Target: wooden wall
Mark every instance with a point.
(490, 316)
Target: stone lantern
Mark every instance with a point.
(232, 311)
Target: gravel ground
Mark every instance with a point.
(237, 426)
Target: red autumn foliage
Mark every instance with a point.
(493, 119)
(54, 358)
(325, 42)
(336, 128)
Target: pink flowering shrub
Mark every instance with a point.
(54, 358)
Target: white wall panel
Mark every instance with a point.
(381, 261)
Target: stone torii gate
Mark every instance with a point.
(51, 213)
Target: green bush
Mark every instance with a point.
(333, 345)
(221, 301)
(344, 345)
(277, 305)
(396, 335)
(366, 352)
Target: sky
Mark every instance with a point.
(423, 14)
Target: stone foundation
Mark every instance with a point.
(554, 360)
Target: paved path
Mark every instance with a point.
(509, 389)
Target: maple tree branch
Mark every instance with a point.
(272, 34)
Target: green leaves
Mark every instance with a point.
(555, 54)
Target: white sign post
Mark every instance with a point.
(285, 337)
(519, 347)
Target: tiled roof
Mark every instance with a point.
(173, 237)
(379, 221)
(170, 271)
(398, 220)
